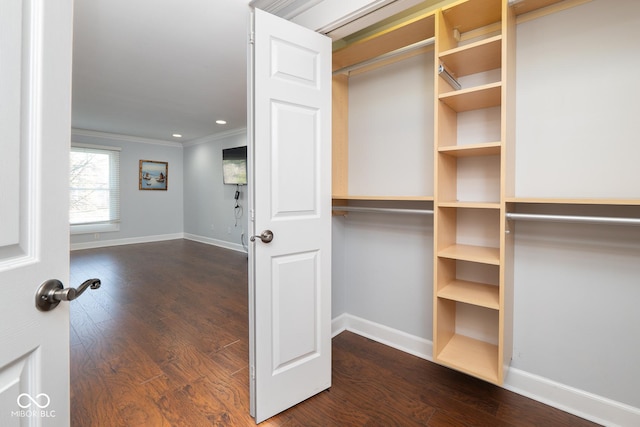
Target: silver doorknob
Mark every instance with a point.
(51, 292)
(266, 236)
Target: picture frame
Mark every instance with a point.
(153, 175)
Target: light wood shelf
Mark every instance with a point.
(526, 6)
(475, 98)
(470, 205)
(473, 58)
(406, 33)
(470, 15)
(472, 150)
(613, 202)
(383, 198)
(481, 254)
(471, 356)
(480, 294)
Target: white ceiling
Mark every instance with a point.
(151, 68)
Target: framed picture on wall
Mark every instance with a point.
(153, 175)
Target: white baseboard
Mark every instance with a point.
(215, 242)
(569, 399)
(383, 334)
(574, 401)
(158, 238)
(128, 241)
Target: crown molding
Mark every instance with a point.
(115, 137)
(216, 137)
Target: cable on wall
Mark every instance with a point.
(237, 214)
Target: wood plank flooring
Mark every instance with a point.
(164, 342)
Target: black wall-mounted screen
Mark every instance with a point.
(234, 165)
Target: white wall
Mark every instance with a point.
(210, 214)
(576, 326)
(389, 143)
(145, 215)
(577, 104)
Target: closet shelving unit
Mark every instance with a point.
(392, 39)
(474, 43)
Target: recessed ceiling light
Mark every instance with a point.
(177, 135)
(221, 122)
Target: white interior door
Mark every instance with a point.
(290, 157)
(35, 100)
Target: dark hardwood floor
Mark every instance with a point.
(164, 342)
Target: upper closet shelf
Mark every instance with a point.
(472, 15)
(474, 98)
(477, 57)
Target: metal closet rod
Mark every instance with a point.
(385, 56)
(382, 210)
(575, 218)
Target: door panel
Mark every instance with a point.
(35, 88)
(295, 186)
(290, 158)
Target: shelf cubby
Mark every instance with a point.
(466, 16)
(471, 356)
(475, 98)
(480, 294)
(482, 55)
(481, 254)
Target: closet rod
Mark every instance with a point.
(384, 56)
(574, 218)
(382, 210)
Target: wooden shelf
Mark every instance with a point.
(471, 356)
(615, 202)
(401, 35)
(477, 57)
(525, 6)
(481, 254)
(470, 205)
(474, 98)
(470, 15)
(480, 294)
(472, 150)
(384, 198)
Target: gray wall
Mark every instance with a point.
(145, 215)
(575, 285)
(210, 214)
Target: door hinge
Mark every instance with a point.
(251, 37)
(252, 372)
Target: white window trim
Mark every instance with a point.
(94, 228)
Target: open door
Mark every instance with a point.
(35, 124)
(290, 212)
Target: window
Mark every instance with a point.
(94, 183)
